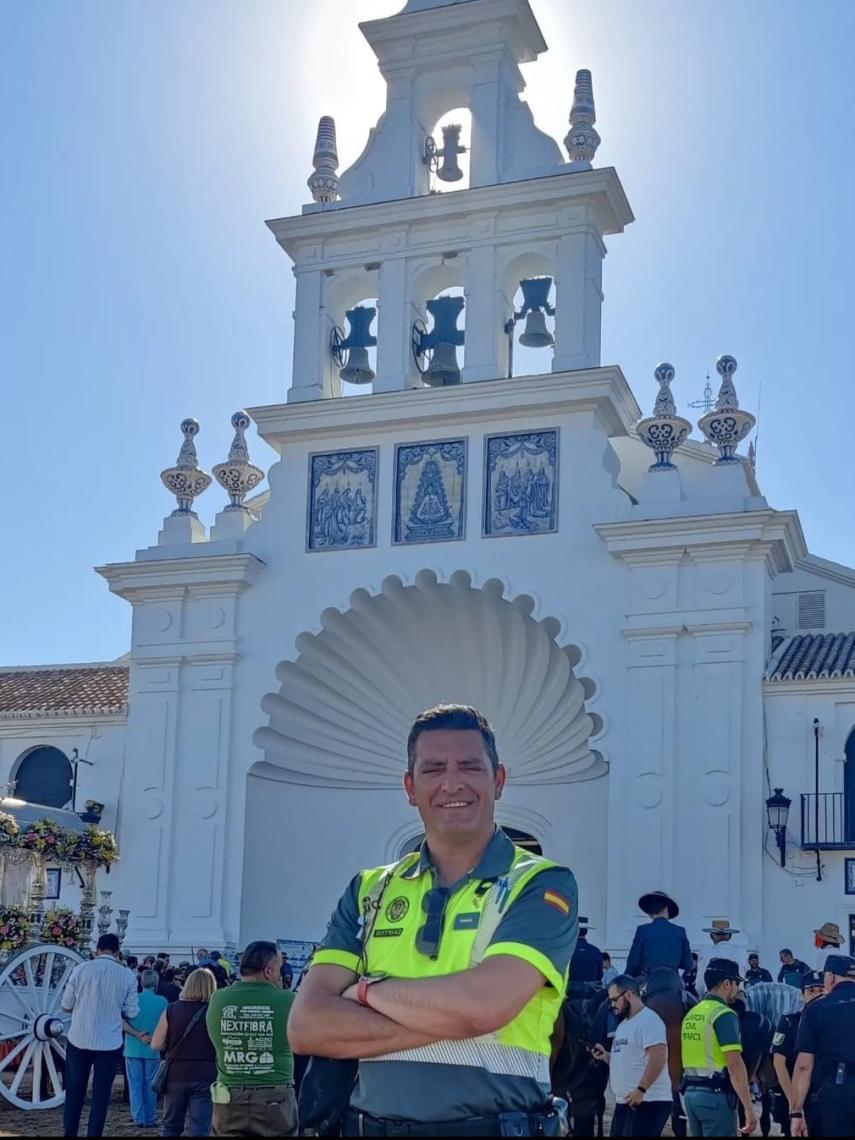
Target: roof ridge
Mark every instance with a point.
(61, 668)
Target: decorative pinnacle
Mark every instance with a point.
(582, 140)
(726, 366)
(664, 431)
(237, 475)
(324, 181)
(726, 425)
(186, 480)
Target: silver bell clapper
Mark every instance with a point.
(664, 431)
(440, 343)
(350, 352)
(727, 424)
(443, 161)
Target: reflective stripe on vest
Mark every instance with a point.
(472, 916)
(701, 1050)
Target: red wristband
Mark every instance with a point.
(362, 991)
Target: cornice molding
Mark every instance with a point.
(601, 390)
(169, 577)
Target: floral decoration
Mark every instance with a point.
(14, 928)
(9, 828)
(95, 846)
(62, 927)
(46, 837)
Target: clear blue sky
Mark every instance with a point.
(145, 142)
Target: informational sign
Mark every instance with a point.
(298, 955)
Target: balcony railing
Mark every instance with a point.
(828, 821)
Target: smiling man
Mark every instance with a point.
(444, 973)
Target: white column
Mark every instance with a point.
(486, 352)
(310, 368)
(486, 128)
(394, 355)
(578, 301)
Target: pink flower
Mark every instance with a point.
(5, 928)
(56, 930)
(50, 839)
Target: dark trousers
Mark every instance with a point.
(103, 1064)
(646, 1120)
(837, 1109)
(270, 1111)
(187, 1099)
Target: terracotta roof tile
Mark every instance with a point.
(63, 690)
(813, 657)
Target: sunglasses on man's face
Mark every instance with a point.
(615, 1000)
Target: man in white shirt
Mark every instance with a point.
(99, 995)
(638, 1064)
(721, 933)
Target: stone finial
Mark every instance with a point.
(237, 475)
(664, 431)
(324, 181)
(186, 480)
(582, 140)
(726, 425)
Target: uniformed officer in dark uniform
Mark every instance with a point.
(586, 965)
(660, 948)
(826, 1045)
(784, 1059)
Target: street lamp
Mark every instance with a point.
(777, 812)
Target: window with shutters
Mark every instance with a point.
(812, 609)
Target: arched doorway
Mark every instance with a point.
(44, 776)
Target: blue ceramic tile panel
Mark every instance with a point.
(430, 491)
(521, 476)
(342, 500)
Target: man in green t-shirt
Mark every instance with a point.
(254, 1091)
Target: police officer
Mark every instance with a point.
(586, 965)
(660, 948)
(784, 1057)
(826, 1053)
(445, 972)
(714, 1074)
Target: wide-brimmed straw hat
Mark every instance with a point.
(720, 926)
(830, 931)
(654, 901)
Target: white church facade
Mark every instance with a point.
(479, 522)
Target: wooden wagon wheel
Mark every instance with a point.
(33, 1026)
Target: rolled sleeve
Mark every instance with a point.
(69, 994)
(131, 1004)
(541, 926)
(342, 944)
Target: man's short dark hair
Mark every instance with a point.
(460, 718)
(257, 957)
(607, 956)
(108, 944)
(625, 982)
(786, 951)
(755, 957)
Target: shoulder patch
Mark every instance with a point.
(553, 898)
(778, 1039)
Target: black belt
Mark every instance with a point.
(521, 1124)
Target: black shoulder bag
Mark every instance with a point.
(328, 1082)
(161, 1074)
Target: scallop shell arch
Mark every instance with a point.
(345, 706)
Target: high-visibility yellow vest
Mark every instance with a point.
(701, 1050)
(473, 913)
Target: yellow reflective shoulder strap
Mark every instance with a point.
(505, 889)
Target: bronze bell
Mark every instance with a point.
(443, 368)
(357, 370)
(536, 334)
(449, 170)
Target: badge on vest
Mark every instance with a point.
(467, 921)
(397, 909)
(390, 932)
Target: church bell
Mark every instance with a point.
(443, 367)
(535, 291)
(449, 169)
(356, 369)
(536, 334)
(442, 340)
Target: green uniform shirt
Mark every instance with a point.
(248, 1025)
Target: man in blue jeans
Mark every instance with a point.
(140, 1059)
(99, 995)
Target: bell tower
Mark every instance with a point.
(405, 278)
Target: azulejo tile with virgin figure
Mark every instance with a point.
(430, 491)
(342, 500)
(521, 483)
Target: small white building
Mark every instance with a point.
(478, 521)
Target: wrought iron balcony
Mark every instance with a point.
(828, 822)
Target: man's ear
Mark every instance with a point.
(501, 779)
(410, 789)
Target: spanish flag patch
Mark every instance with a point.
(556, 900)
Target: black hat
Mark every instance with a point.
(840, 964)
(721, 970)
(654, 901)
(812, 978)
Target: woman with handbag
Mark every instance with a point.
(189, 1066)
